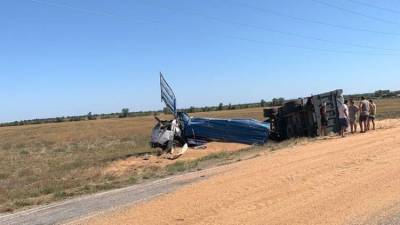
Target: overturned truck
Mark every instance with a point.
(184, 131)
(302, 117)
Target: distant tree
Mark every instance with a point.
(278, 101)
(274, 102)
(281, 101)
(191, 109)
(382, 93)
(165, 110)
(89, 116)
(263, 103)
(124, 112)
(220, 107)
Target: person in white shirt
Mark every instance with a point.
(343, 117)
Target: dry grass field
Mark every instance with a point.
(44, 163)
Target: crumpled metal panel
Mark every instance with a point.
(167, 95)
(246, 131)
(161, 136)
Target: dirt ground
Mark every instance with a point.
(352, 180)
(120, 167)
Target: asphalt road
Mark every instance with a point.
(390, 217)
(87, 206)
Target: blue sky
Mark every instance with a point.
(71, 57)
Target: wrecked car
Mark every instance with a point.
(184, 131)
(246, 131)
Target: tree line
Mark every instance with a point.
(221, 106)
(90, 116)
(125, 112)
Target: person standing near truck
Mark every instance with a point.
(372, 114)
(364, 114)
(324, 119)
(353, 111)
(343, 117)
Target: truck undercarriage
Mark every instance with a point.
(302, 117)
